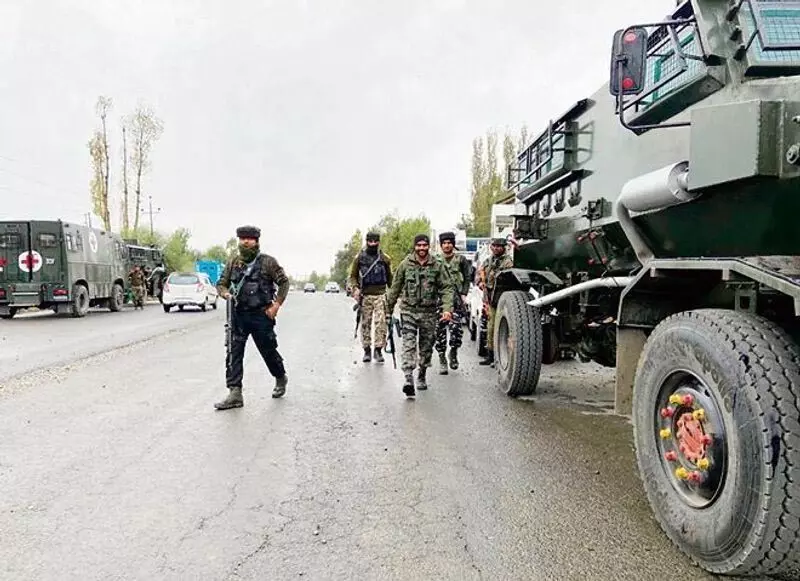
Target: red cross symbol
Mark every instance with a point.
(30, 261)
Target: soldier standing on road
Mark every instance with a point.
(137, 279)
(459, 269)
(370, 275)
(421, 281)
(250, 278)
(496, 263)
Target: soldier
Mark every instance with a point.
(421, 281)
(250, 278)
(370, 275)
(459, 269)
(137, 279)
(499, 261)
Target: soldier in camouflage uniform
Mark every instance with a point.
(252, 276)
(137, 279)
(459, 270)
(370, 275)
(496, 263)
(421, 281)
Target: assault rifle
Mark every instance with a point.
(357, 308)
(230, 304)
(390, 323)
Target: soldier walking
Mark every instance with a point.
(137, 280)
(421, 284)
(458, 267)
(370, 275)
(495, 264)
(250, 279)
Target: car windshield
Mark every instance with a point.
(183, 279)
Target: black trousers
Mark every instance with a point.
(262, 328)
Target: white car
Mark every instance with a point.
(192, 289)
(333, 287)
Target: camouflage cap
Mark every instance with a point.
(248, 232)
(499, 242)
(451, 236)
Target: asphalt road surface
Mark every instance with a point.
(116, 465)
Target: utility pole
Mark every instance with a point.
(88, 216)
(151, 212)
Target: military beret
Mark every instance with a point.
(248, 232)
(421, 238)
(499, 241)
(373, 236)
(447, 236)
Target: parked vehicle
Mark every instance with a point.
(333, 287)
(61, 266)
(193, 289)
(309, 287)
(656, 231)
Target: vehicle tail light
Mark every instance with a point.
(2, 293)
(200, 287)
(166, 287)
(60, 292)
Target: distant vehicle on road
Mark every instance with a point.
(333, 287)
(193, 289)
(310, 287)
(66, 267)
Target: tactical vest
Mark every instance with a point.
(257, 289)
(377, 274)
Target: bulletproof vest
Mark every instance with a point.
(377, 274)
(257, 289)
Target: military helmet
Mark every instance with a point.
(248, 232)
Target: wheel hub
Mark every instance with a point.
(691, 439)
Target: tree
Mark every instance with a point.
(177, 253)
(98, 152)
(125, 203)
(344, 258)
(216, 252)
(397, 234)
(145, 129)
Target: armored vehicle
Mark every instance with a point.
(151, 259)
(61, 266)
(655, 232)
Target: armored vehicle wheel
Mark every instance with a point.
(117, 298)
(517, 344)
(166, 307)
(80, 300)
(717, 436)
(11, 312)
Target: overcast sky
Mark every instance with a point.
(309, 118)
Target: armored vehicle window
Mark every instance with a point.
(9, 241)
(47, 240)
(70, 243)
(183, 279)
(79, 241)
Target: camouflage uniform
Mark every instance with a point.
(458, 268)
(371, 274)
(493, 266)
(256, 295)
(421, 286)
(137, 279)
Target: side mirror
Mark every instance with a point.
(628, 61)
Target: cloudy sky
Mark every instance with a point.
(309, 118)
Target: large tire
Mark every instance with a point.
(11, 312)
(80, 300)
(517, 344)
(117, 298)
(743, 516)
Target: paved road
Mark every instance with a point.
(117, 467)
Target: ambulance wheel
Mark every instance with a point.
(11, 312)
(717, 439)
(117, 298)
(80, 300)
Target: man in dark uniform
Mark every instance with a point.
(250, 278)
(370, 276)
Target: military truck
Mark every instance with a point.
(61, 266)
(655, 232)
(151, 259)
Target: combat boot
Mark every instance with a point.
(280, 386)
(234, 400)
(488, 360)
(422, 385)
(453, 358)
(378, 355)
(408, 387)
(442, 364)
(367, 355)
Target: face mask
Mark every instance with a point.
(372, 249)
(248, 254)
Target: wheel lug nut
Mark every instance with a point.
(699, 414)
(703, 463)
(687, 400)
(665, 433)
(671, 456)
(667, 412)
